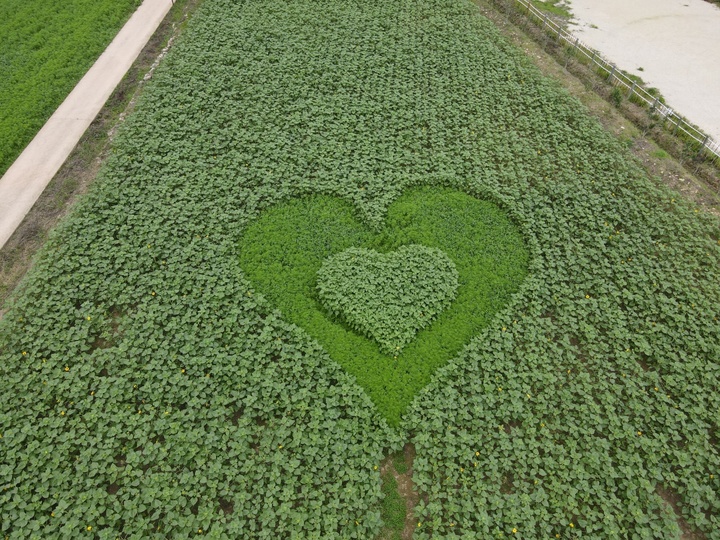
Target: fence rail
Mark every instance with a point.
(671, 120)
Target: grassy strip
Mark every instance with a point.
(559, 8)
(45, 49)
(393, 507)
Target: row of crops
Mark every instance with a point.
(153, 386)
(46, 46)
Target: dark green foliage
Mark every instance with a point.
(594, 386)
(387, 296)
(46, 46)
(283, 250)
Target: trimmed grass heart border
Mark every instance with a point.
(283, 250)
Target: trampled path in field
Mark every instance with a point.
(28, 176)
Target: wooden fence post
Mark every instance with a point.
(702, 147)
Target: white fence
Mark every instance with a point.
(670, 119)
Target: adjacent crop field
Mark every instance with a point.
(151, 385)
(46, 46)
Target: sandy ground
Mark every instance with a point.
(676, 42)
(31, 172)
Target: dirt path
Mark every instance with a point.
(28, 176)
(675, 42)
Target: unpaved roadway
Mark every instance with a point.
(676, 42)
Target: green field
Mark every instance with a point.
(46, 46)
(152, 384)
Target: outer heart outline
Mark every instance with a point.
(282, 250)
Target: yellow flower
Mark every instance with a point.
(89, 528)
(67, 368)
(62, 413)
(52, 514)
(24, 353)
(514, 530)
(572, 525)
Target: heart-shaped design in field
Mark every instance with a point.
(283, 250)
(388, 296)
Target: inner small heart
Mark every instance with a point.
(388, 296)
